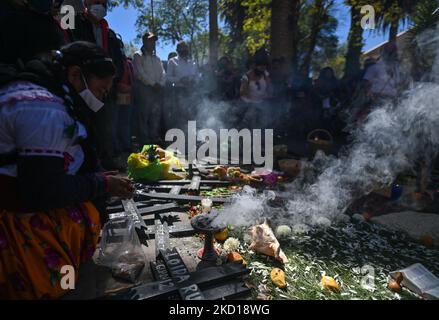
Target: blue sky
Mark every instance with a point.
(123, 22)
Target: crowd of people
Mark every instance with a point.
(71, 101)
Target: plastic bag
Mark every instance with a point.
(152, 164)
(140, 168)
(120, 249)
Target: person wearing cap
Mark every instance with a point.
(150, 79)
(182, 77)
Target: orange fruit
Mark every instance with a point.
(235, 256)
(394, 286)
(366, 216)
(426, 240)
(222, 235)
(330, 283)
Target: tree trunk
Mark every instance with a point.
(355, 44)
(281, 31)
(393, 30)
(238, 33)
(317, 21)
(152, 22)
(294, 21)
(213, 32)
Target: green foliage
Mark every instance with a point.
(255, 33)
(201, 41)
(355, 38)
(422, 36)
(233, 13)
(327, 42)
(348, 254)
(426, 16)
(130, 49)
(335, 59)
(176, 20)
(257, 24)
(391, 13)
(126, 3)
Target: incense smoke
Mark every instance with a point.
(391, 140)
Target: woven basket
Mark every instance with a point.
(320, 139)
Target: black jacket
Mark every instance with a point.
(84, 32)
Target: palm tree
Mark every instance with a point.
(426, 16)
(355, 40)
(423, 48)
(391, 13)
(319, 17)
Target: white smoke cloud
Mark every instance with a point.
(246, 208)
(389, 142)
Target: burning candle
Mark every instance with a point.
(396, 192)
(206, 204)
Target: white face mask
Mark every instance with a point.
(98, 10)
(90, 99)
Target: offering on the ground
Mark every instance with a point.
(231, 244)
(394, 286)
(419, 280)
(234, 174)
(222, 235)
(153, 164)
(128, 268)
(264, 241)
(235, 256)
(278, 278)
(283, 231)
(330, 283)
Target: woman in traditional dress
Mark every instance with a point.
(50, 178)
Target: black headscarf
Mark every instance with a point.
(25, 34)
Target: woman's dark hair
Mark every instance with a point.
(89, 57)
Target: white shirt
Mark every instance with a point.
(180, 68)
(149, 69)
(384, 78)
(34, 122)
(256, 93)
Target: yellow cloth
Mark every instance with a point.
(35, 246)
